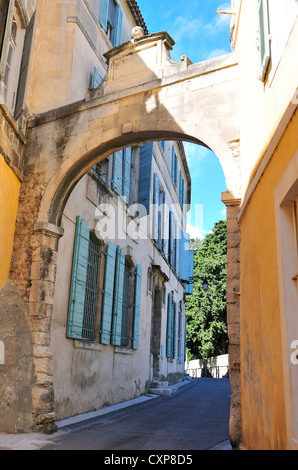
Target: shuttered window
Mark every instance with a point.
(84, 284)
(186, 263)
(179, 334)
(115, 321)
(156, 219)
(181, 188)
(164, 240)
(174, 171)
(169, 327)
(146, 153)
(137, 308)
(125, 307)
(108, 294)
(122, 173)
(118, 298)
(96, 78)
(21, 93)
(4, 6)
(117, 181)
(171, 238)
(264, 38)
(91, 288)
(171, 337)
(174, 331)
(126, 174)
(111, 19)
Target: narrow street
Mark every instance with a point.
(195, 418)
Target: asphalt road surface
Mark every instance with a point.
(195, 418)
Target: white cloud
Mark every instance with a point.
(220, 21)
(217, 53)
(186, 28)
(195, 232)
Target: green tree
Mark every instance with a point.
(206, 314)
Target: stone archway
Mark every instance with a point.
(161, 100)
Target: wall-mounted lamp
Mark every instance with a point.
(224, 12)
(205, 285)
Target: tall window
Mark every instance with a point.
(122, 173)
(126, 310)
(14, 59)
(84, 284)
(171, 339)
(111, 18)
(111, 21)
(180, 334)
(115, 316)
(264, 37)
(91, 288)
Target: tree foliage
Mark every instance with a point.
(206, 312)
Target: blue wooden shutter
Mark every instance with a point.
(164, 240)
(174, 329)
(173, 163)
(96, 78)
(190, 259)
(171, 238)
(264, 42)
(117, 181)
(103, 19)
(118, 298)
(180, 186)
(176, 245)
(126, 174)
(78, 281)
(108, 171)
(137, 307)
(156, 208)
(108, 294)
(184, 260)
(146, 152)
(169, 327)
(182, 192)
(117, 36)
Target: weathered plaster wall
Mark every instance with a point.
(16, 371)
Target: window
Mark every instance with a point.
(171, 345)
(264, 37)
(159, 213)
(91, 288)
(115, 322)
(96, 78)
(174, 172)
(111, 18)
(15, 58)
(84, 284)
(122, 173)
(181, 189)
(186, 263)
(102, 171)
(180, 333)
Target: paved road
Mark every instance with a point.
(195, 418)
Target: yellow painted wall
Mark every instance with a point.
(262, 390)
(9, 195)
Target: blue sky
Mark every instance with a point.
(200, 34)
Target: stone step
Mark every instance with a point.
(159, 384)
(165, 391)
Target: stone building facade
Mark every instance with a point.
(248, 118)
(114, 302)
